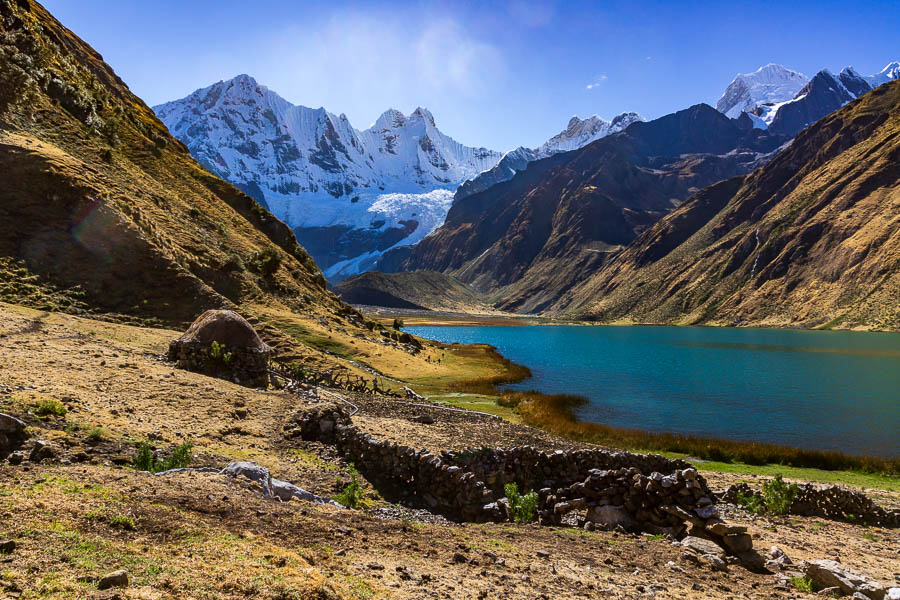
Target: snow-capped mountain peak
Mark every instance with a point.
(888, 73)
(770, 84)
(577, 134)
(313, 169)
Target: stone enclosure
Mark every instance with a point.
(241, 355)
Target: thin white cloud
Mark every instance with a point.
(597, 82)
(365, 62)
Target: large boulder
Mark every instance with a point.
(12, 430)
(239, 352)
(830, 573)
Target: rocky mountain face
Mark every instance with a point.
(348, 194)
(776, 96)
(577, 134)
(527, 240)
(768, 85)
(812, 239)
(103, 211)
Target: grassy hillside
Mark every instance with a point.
(810, 240)
(104, 213)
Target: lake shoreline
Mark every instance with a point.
(563, 420)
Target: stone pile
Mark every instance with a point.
(829, 502)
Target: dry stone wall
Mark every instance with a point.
(827, 501)
(467, 485)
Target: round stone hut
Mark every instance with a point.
(222, 343)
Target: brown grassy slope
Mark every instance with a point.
(103, 212)
(810, 240)
(97, 194)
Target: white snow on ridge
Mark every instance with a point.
(770, 84)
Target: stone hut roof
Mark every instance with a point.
(225, 327)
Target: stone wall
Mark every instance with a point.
(827, 501)
(466, 485)
(246, 366)
(533, 469)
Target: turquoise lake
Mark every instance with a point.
(831, 390)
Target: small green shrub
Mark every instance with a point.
(524, 508)
(351, 496)
(778, 496)
(398, 324)
(145, 459)
(217, 353)
(804, 584)
(50, 406)
(753, 504)
(266, 261)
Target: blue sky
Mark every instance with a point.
(493, 74)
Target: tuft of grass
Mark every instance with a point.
(96, 434)
(51, 406)
(804, 584)
(146, 460)
(122, 522)
(555, 413)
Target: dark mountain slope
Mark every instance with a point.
(811, 239)
(426, 290)
(527, 240)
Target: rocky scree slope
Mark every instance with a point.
(347, 193)
(812, 239)
(103, 211)
(524, 242)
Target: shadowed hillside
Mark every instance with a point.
(812, 239)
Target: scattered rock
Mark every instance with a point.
(830, 573)
(41, 451)
(115, 579)
(424, 419)
(542, 554)
(702, 546)
(459, 557)
(610, 517)
(16, 458)
(11, 426)
(7, 547)
(715, 561)
(737, 544)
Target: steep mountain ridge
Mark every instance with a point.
(776, 95)
(348, 194)
(577, 134)
(812, 239)
(527, 240)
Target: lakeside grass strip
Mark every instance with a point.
(555, 413)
